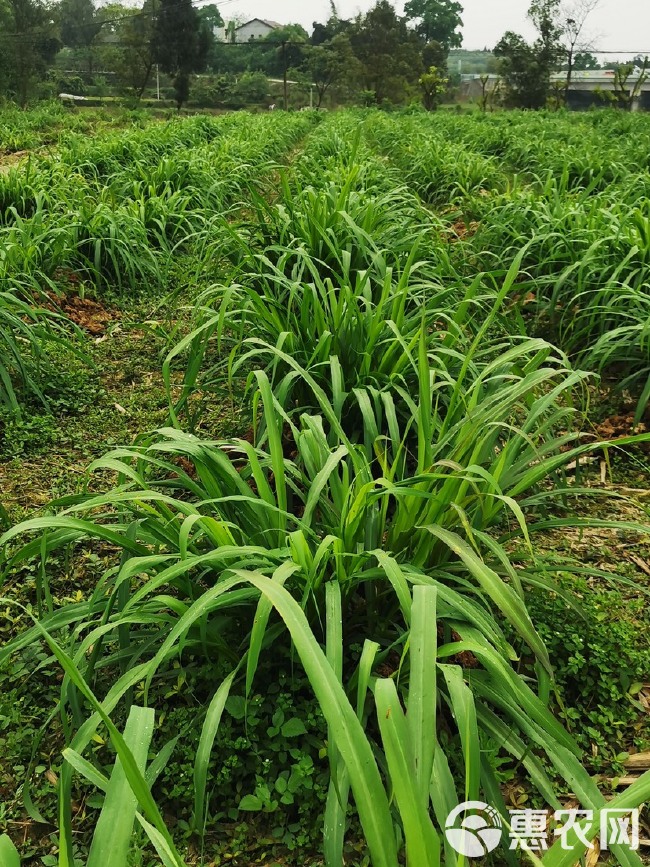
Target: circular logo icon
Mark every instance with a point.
(473, 829)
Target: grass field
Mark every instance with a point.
(324, 475)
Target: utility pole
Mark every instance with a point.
(157, 81)
(284, 75)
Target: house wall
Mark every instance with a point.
(252, 30)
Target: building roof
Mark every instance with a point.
(579, 76)
(272, 24)
(594, 76)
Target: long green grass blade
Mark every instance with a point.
(422, 842)
(113, 834)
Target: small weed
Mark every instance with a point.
(601, 664)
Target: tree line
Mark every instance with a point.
(376, 58)
(379, 57)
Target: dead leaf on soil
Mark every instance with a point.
(464, 230)
(619, 426)
(638, 561)
(593, 854)
(581, 462)
(84, 312)
(638, 761)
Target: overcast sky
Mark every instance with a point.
(617, 25)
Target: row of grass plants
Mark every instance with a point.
(409, 433)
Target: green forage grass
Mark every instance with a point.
(412, 417)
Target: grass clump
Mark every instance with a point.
(406, 437)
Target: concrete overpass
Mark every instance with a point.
(584, 91)
(587, 84)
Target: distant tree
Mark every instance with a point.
(434, 54)
(574, 17)
(527, 69)
(180, 44)
(433, 84)
(134, 34)
(388, 53)
(519, 70)
(109, 17)
(79, 21)
(330, 64)
(546, 17)
(80, 25)
(204, 45)
(210, 20)
(225, 59)
(211, 16)
(28, 44)
(585, 60)
(436, 20)
(626, 91)
(229, 58)
(249, 89)
(640, 62)
(285, 49)
(490, 91)
(332, 27)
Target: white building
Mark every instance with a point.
(256, 28)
